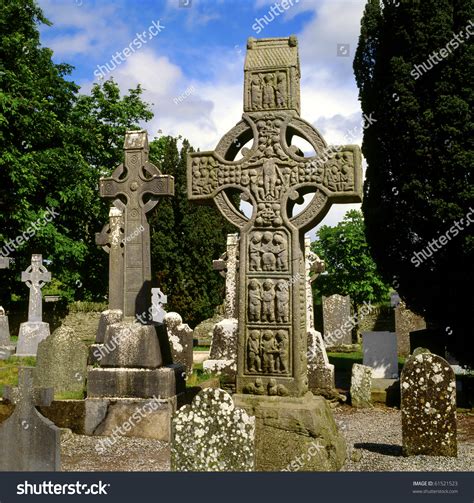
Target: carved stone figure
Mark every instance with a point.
(253, 352)
(255, 300)
(282, 301)
(269, 350)
(268, 300)
(268, 92)
(256, 90)
(281, 90)
(281, 251)
(268, 256)
(254, 251)
(282, 356)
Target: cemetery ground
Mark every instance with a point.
(373, 435)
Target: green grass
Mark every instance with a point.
(198, 376)
(70, 395)
(201, 348)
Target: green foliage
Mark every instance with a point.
(55, 146)
(420, 156)
(186, 238)
(349, 265)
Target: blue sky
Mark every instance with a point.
(192, 66)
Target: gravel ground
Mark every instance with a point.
(374, 439)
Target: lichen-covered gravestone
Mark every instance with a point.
(428, 389)
(61, 362)
(29, 441)
(361, 386)
(34, 330)
(180, 337)
(336, 315)
(212, 435)
(223, 354)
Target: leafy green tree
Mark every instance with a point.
(55, 145)
(349, 265)
(186, 239)
(414, 67)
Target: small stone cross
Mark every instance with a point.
(35, 277)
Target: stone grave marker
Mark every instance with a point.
(321, 378)
(159, 300)
(129, 368)
(6, 347)
(29, 441)
(128, 186)
(223, 354)
(380, 354)
(61, 362)
(273, 175)
(180, 337)
(34, 330)
(228, 265)
(428, 389)
(406, 321)
(361, 386)
(212, 435)
(336, 314)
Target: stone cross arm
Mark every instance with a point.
(277, 174)
(26, 393)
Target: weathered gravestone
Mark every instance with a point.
(361, 386)
(336, 320)
(61, 362)
(29, 441)
(159, 300)
(212, 435)
(129, 364)
(380, 354)
(406, 321)
(428, 388)
(272, 176)
(321, 378)
(6, 347)
(34, 330)
(223, 354)
(180, 337)
(228, 265)
(128, 186)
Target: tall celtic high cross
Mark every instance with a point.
(273, 175)
(35, 277)
(135, 187)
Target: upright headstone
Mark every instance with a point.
(61, 362)
(34, 330)
(428, 388)
(212, 435)
(180, 337)
(228, 265)
(272, 176)
(158, 300)
(380, 354)
(321, 378)
(223, 354)
(29, 441)
(336, 320)
(6, 347)
(361, 386)
(132, 181)
(406, 321)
